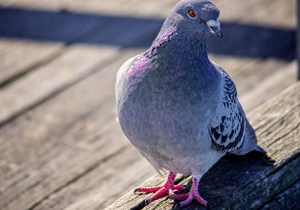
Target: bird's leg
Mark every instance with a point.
(160, 191)
(193, 194)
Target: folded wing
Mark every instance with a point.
(227, 129)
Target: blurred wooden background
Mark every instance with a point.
(61, 147)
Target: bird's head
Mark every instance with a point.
(197, 17)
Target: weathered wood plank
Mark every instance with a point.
(64, 71)
(103, 185)
(20, 23)
(66, 130)
(260, 11)
(54, 117)
(18, 57)
(288, 199)
(265, 86)
(237, 182)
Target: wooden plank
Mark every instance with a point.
(288, 199)
(18, 57)
(284, 10)
(54, 117)
(237, 182)
(103, 185)
(58, 135)
(265, 87)
(64, 71)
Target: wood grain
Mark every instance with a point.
(288, 199)
(49, 79)
(270, 84)
(19, 57)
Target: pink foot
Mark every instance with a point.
(189, 197)
(160, 191)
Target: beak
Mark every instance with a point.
(215, 28)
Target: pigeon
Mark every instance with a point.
(179, 108)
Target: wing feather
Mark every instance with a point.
(227, 129)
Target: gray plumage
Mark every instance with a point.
(179, 109)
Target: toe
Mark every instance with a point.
(160, 193)
(187, 201)
(188, 198)
(201, 200)
(148, 189)
(179, 196)
(179, 187)
(137, 191)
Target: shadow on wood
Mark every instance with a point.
(242, 40)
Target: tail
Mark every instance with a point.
(250, 142)
(259, 149)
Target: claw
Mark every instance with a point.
(137, 191)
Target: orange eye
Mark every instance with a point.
(192, 13)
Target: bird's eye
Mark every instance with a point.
(192, 13)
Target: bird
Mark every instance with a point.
(179, 108)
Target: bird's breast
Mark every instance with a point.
(162, 108)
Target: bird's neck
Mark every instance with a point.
(174, 45)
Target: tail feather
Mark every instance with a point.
(250, 142)
(259, 149)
